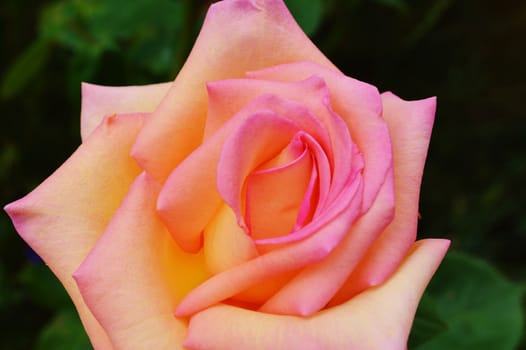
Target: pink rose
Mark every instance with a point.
(263, 200)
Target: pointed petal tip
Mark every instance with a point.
(439, 244)
(10, 208)
(16, 212)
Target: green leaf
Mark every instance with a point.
(481, 308)
(8, 294)
(427, 323)
(66, 22)
(8, 157)
(308, 14)
(25, 67)
(42, 286)
(64, 332)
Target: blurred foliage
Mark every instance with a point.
(468, 53)
(469, 306)
(63, 332)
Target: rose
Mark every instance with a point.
(278, 212)
(269, 201)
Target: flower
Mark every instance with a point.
(261, 200)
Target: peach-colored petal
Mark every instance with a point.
(277, 193)
(189, 197)
(359, 105)
(322, 175)
(225, 243)
(323, 236)
(410, 125)
(99, 101)
(259, 139)
(377, 319)
(64, 216)
(227, 97)
(125, 280)
(314, 287)
(237, 36)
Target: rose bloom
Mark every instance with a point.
(263, 200)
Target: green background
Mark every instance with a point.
(470, 54)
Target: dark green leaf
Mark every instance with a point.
(308, 14)
(427, 324)
(64, 332)
(24, 68)
(481, 308)
(42, 286)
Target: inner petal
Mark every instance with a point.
(316, 190)
(259, 138)
(274, 196)
(225, 243)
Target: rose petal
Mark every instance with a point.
(278, 193)
(410, 125)
(257, 140)
(377, 319)
(322, 175)
(227, 97)
(190, 198)
(324, 236)
(360, 106)
(267, 34)
(99, 101)
(226, 244)
(314, 287)
(143, 276)
(67, 212)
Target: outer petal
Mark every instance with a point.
(99, 101)
(259, 139)
(64, 216)
(378, 319)
(144, 275)
(237, 36)
(410, 125)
